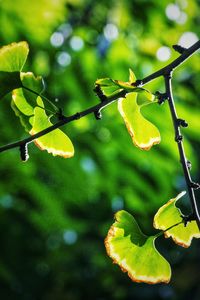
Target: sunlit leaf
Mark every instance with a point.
(144, 134)
(105, 82)
(135, 252)
(168, 215)
(55, 142)
(132, 77)
(13, 57)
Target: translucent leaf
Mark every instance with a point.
(55, 142)
(34, 83)
(167, 216)
(105, 82)
(13, 57)
(24, 119)
(132, 77)
(8, 82)
(135, 252)
(144, 134)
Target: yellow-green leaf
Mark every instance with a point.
(132, 77)
(55, 142)
(13, 57)
(135, 252)
(144, 134)
(167, 216)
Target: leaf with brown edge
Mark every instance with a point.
(168, 215)
(55, 142)
(135, 252)
(13, 56)
(144, 134)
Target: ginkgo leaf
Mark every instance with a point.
(144, 134)
(168, 215)
(13, 56)
(132, 77)
(135, 252)
(105, 82)
(55, 142)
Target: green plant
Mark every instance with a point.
(125, 243)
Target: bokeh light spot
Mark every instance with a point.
(163, 53)
(57, 39)
(70, 237)
(110, 32)
(188, 39)
(173, 12)
(64, 59)
(76, 43)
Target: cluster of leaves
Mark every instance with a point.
(27, 103)
(35, 114)
(125, 243)
(136, 253)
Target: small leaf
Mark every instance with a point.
(144, 134)
(13, 57)
(167, 216)
(55, 142)
(8, 82)
(105, 82)
(132, 77)
(135, 252)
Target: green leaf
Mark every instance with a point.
(132, 77)
(55, 142)
(168, 215)
(144, 134)
(135, 252)
(13, 57)
(8, 82)
(105, 82)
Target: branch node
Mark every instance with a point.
(187, 219)
(179, 48)
(98, 115)
(162, 97)
(60, 115)
(179, 138)
(23, 148)
(182, 123)
(77, 116)
(189, 164)
(99, 93)
(138, 83)
(194, 185)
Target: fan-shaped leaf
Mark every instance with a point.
(13, 57)
(55, 142)
(134, 252)
(144, 134)
(168, 215)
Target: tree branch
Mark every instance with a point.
(166, 72)
(179, 139)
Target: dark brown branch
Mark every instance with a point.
(179, 139)
(167, 73)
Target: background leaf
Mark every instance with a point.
(8, 82)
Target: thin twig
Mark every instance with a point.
(179, 139)
(166, 72)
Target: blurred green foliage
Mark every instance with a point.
(54, 213)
